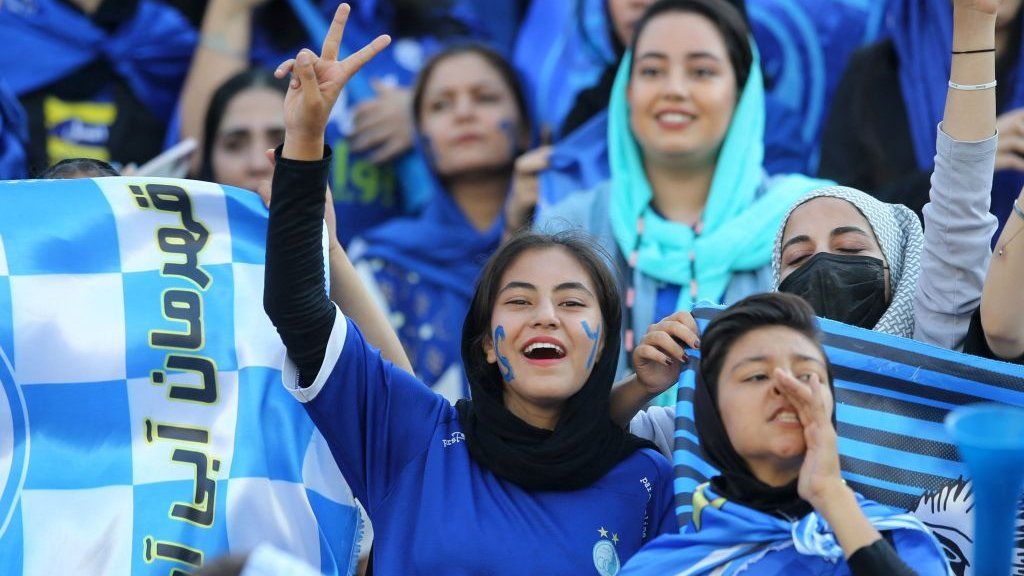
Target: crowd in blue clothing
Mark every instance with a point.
(706, 146)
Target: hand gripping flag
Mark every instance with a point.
(892, 395)
(143, 426)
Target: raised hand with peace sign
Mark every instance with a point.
(315, 86)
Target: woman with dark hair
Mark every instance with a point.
(78, 168)
(765, 416)
(688, 212)
(471, 119)
(242, 122)
(531, 475)
(376, 175)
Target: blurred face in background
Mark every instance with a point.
(252, 122)
(469, 119)
(624, 15)
(682, 89)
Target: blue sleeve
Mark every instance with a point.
(661, 508)
(375, 417)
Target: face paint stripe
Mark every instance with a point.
(504, 366)
(595, 337)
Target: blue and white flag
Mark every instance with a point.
(892, 396)
(143, 426)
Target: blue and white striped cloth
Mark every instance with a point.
(143, 428)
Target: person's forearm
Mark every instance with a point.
(852, 528)
(1002, 300)
(293, 295)
(355, 302)
(971, 114)
(222, 52)
(627, 398)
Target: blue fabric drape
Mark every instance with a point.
(922, 32)
(46, 40)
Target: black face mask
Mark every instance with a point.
(850, 289)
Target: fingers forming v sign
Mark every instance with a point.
(318, 81)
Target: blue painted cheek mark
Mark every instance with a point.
(504, 366)
(595, 336)
(513, 140)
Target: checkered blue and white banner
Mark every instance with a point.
(143, 426)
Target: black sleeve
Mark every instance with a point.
(294, 293)
(878, 559)
(842, 149)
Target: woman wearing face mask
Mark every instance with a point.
(472, 118)
(533, 459)
(243, 120)
(867, 263)
(688, 212)
(765, 416)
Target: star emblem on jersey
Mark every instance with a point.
(606, 557)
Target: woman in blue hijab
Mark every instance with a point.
(689, 213)
(472, 120)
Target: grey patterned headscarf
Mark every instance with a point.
(898, 232)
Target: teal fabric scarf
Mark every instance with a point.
(739, 221)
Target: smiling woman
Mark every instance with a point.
(688, 213)
(534, 457)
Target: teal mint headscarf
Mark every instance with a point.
(739, 225)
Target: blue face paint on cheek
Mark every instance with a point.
(504, 366)
(595, 337)
(509, 129)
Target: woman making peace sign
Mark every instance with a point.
(531, 476)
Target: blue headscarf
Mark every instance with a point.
(562, 48)
(739, 219)
(728, 538)
(922, 32)
(429, 270)
(45, 40)
(440, 245)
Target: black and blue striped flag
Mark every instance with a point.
(892, 395)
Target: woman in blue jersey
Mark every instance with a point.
(472, 120)
(531, 476)
(688, 213)
(765, 418)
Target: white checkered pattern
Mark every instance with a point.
(80, 291)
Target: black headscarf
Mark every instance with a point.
(585, 444)
(735, 481)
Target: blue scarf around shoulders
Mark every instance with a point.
(440, 244)
(727, 538)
